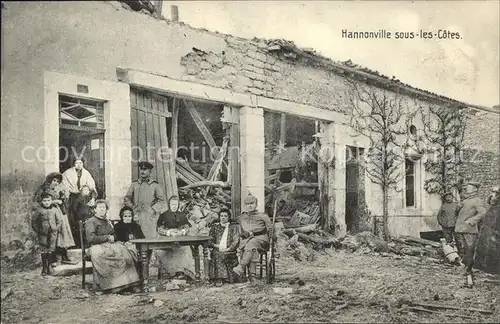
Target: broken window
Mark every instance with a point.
(81, 113)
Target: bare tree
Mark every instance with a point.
(384, 118)
(444, 129)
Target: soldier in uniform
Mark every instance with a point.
(255, 233)
(145, 196)
(470, 212)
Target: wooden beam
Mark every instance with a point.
(283, 129)
(175, 129)
(235, 170)
(200, 124)
(216, 167)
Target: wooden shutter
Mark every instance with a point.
(149, 129)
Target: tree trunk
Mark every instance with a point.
(385, 213)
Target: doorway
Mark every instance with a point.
(90, 145)
(354, 184)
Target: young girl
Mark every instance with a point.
(46, 224)
(52, 186)
(84, 204)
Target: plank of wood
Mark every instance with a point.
(175, 123)
(233, 156)
(134, 138)
(420, 240)
(436, 306)
(201, 126)
(283, 129)
(420, 309)
(199, 123)
(494, 282)
(160, 172)
(168, 163)
(184, 178)
(218, 184)
(184, 164)
(216, 167)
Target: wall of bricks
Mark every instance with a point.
(248, 67)
(482, 150)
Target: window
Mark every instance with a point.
(410, 183)
(81, 113)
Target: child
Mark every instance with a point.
(46, 224)
(84, 205)
(447, 217)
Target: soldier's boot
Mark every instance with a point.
(245, 260)
(44, 264)
(252, 271)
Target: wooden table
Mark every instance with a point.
(144, 246)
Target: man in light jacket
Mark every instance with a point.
(470, 212)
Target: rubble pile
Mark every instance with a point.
(201, 199)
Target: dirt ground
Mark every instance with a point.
(337, 286)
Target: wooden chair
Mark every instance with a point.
(265, 265)
(83, 246)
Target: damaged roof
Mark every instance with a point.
(344, 68)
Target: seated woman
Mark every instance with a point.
(113, 262)
(175, 261)
(126, 229)
(225, 240)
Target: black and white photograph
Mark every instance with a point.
(250, 161)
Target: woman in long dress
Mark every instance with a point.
(175, 261)
(224, 242)
(73, 179)
(114, 263)
(52, 186)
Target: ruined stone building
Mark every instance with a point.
(101, 76)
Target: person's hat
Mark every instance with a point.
(473, 183)
(250, 199)
(145, 165)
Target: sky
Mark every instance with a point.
(465, 69)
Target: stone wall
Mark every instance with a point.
(482, 150)
(248, 67)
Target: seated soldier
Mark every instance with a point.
(255, 228)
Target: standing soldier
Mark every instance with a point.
(447, 217)
(146, 198)
(470, 212)
(255, 233)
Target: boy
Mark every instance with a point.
(447, 217)
(46, 224)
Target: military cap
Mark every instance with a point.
(145, 165)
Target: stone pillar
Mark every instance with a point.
(340, 189)
(331, 174)
(252, 154)
(117, 153)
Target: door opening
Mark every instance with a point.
(90, 146)
(354, 189)
(81, 133)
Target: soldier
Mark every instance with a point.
(255, 233)
(470, 213)
(145, 196)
